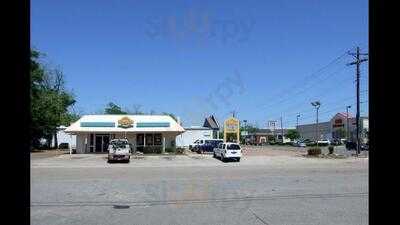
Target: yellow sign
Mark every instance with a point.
(125, 122)
(231, 125)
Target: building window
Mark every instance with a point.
(157, 139)
(149, 139)
(140, 139)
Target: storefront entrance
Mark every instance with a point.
(101, 142)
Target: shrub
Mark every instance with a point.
(314, 151)
(170, 150)
(180, 151)
(330, 148)
(152, 150)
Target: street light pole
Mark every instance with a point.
(245, 125)
(316, 104)
(347, 122)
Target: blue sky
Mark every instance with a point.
(194, 58)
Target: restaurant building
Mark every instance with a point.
(94, 132)
(341, 125)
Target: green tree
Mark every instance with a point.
(249, 128)
(113, 108)
(292, 134)
(171, 115)
(340, 133)
(49, 100)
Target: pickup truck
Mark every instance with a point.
(119, 149)
(228, 150)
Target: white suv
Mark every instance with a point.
(119, 149)
(228, 150)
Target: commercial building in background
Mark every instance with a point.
(212, 123)
(93, 132)
(192, 134)
(63, 139)
(209, 130)
(262, 136)
(337, 127)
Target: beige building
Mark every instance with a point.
(94, 132)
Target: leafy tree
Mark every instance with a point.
(340, 133)
(171, 115)
(49, 100)
(249, 128)
(112, 108)
(293, 134)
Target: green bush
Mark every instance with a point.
(170, 150)
(152, 150)
(314, 151)
(330, 148)
(180, 151)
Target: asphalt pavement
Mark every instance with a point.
(188, 190)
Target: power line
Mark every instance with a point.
(329, 103)
(307, 88)
(324, 93)
(321, 113)
(310, 76)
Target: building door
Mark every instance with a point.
(101, 142)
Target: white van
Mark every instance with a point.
(228, 150)
(119, 149)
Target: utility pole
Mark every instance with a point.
(358, 63)
(297, 120)
(233, 113)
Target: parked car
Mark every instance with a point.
(63, 146)
(351, 145)
(299, 144)
(197, 144)
(324, 142)
(336, 141)
(228, 150)
(209, 145)
(119, 149)
(364, 146)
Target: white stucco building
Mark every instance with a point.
(192, 134)
(93, 132)
(63, 137)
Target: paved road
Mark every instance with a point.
(276, 191)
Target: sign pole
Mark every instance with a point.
(70, 147)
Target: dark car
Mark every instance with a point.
(351, 145)
(208, 146)
(63, 146)
(364, 147)
(336, 141)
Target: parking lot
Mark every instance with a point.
(268, 186)
(252, 155)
